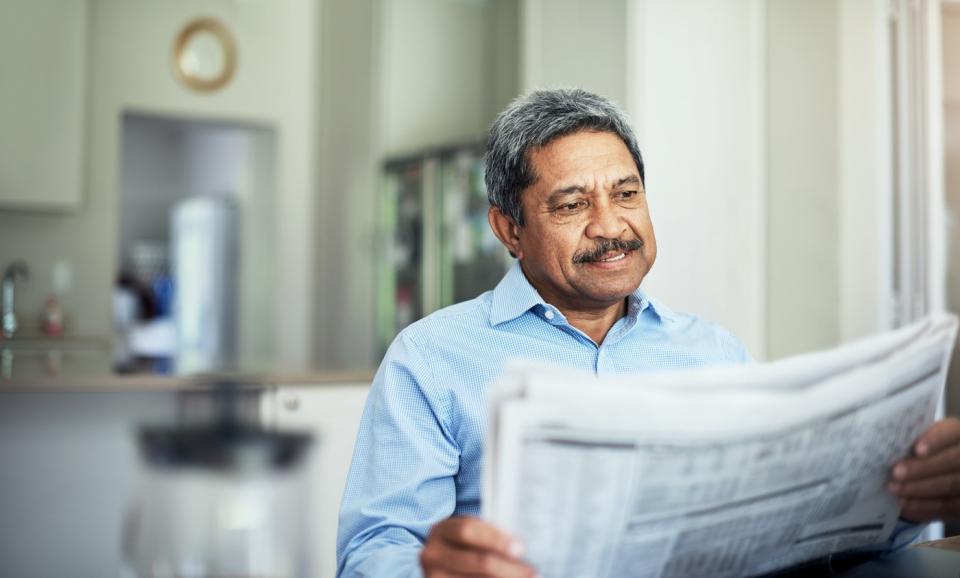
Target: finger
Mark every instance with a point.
(930, 510)
(941, 435)
(467, 562)
(475, 533)
(944, 462)
(947, 486)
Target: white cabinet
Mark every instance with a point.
(43, 71)
(332, 414)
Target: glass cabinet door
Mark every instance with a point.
(401, 229)
(436, 248)
(472, 258)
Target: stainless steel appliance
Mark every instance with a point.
(205, 262)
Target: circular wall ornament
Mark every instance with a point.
(205, 55)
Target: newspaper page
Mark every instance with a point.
(734, 471)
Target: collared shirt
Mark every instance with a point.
(418, 454)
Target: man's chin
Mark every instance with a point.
(611, 292)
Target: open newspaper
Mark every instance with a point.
(736, 470)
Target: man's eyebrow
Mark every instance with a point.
(630, 180)
(557, 194)
(565, 191)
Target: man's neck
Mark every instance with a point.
(595, 320)
(595, 323)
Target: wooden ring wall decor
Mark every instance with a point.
(205, 55)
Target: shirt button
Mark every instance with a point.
(548, 314)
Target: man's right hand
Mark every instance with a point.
(462, 546)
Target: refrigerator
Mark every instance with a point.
(436, 247)
(205, 240)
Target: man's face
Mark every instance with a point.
(587, 242)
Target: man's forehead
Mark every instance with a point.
(581, 152)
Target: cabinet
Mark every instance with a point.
(331, 412)
(43, 70)
(436, 248)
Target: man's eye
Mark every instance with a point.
(627, 194)
(569, 207)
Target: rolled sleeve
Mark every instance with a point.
(401, 480)
(904, 534)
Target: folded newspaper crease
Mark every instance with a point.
(725, 471)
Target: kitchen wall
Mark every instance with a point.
(761, 123)
(829, 199)
(764, 130)
(698, 97)
(275, 85)
(582, 43)
(395, 78)
(802, 226)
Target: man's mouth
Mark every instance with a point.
(608, 251)
(613, 258)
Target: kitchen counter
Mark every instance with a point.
(77, 363)
(86, 364)
(112, 381)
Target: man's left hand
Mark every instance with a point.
(928, 482)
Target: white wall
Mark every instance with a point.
(692, 77)
(803, 172)
(765, 129)
(151, 180)
(582, 43)
(396, 77)
(697, 89)
(864, 171)
(434, 58)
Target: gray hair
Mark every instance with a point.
(533, 121)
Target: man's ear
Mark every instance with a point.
(507, 230)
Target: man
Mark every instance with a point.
(566, 187)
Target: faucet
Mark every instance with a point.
(9, 320)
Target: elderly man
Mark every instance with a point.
(565, 182)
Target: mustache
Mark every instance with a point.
(605, 246)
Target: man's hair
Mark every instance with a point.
(534, 120)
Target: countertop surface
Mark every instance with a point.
(80, 363)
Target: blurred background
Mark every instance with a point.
(275, 188)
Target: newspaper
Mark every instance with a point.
(729, 471)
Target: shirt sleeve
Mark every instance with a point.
(904, 534)
(401, 480)
(733, 349)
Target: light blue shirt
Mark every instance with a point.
(418, 454)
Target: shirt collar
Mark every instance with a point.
(514, 296)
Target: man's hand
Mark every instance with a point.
(928, 482)
(462, 546)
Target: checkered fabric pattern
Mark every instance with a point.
(418, 453)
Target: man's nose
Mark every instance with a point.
(605, 222)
